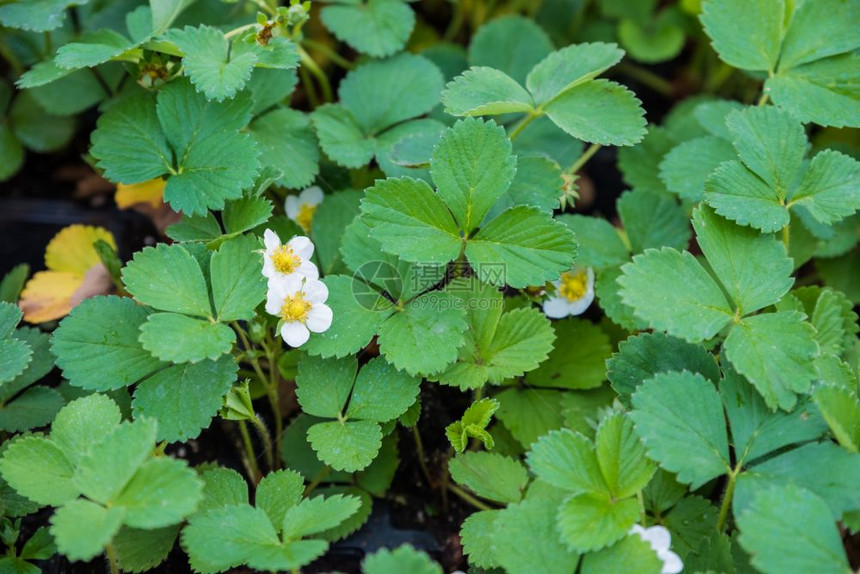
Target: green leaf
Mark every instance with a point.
(476, 538)
(567, 460)
(35, 15)
(195, 228)
(641, 357)
(531, 247)
(588, 522)
(538, 182)
(180, 339)
(579, 365)
(348, 446)
(13, 282)
(185, 397)
(828, 189)
(165, 12)
(598, 243)
(532, 520)
(314, 515)
(238, 285)
(746, 35)
(107, 468)
(83, 423)
(37, 129)
(97, 344)
(491, 476)
(161, 493)
(341, 137)
(673, 292)
(621, 455)
(402, 559)
(354, 522)
(82, 528)
(600, 112)
(754, 268)
(630, 554)
(138, 550)
(529, 414)
(360, 310)
(15, 354)
(570, 67)
(169, 278)
(774, 351)
(324, 386)
(224, 538)
(278, 492)
(687, 167)
(680, 418)
(778, 542)
(403, 208)
(245, 214)
(483, 91)
(823, 91)
(217, 71)
(758, 431)
(381, 393)
(287, 141)
(376, 27)
(655, 40)
(424, 337)
(289, 556)
(33, 408)
(653, 221)
(92, 49)
(841, 409)
(472, 166)
(36, 468)
(380, 94)
(512, 44)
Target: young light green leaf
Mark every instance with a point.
(82, 423)
(483, 91)
(83, 528)
(36, 468)
(180, 339)
(161, 493)
(215, 69)
(315, 515)
(680, 418)
(473, 424)
(92, 49)
(278, 492)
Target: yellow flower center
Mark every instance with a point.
(574, 285)
(295, 308)
(285, 260)
(305, 215)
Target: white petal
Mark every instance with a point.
(319, 318)
(579, 306)
(589, 273)
(637, 529)
(671, 562)
(556, 307)
(301, 246)
(291, 206)
(288, 284)
(268, 267)
(315, 291)
(308, 269)
(274, 302)
(658, 537)
(271, 240)
(312, 195)
(295, 334)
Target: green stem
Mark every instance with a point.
(468, 497)
(786, 236)
(583, 159)
(328, 53)
(267, 440)
(643, 517)
(317, 73)
(254, 470)
(272, 390)
(764, 99)
(239, 30)
(523, 124)
(321, 476)
(457, 20)
(727, 498)
(112, 561)
(419, 447)
(647, 77)
(310, 89)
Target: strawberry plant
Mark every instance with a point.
(423, 286)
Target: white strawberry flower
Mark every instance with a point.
(660, 540)
(300, 303)
(574, 292)
(293, 258)
(300, 208)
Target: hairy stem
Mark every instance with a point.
(328, 53)
(318, 73)
(465, 496)
(583, 159)
(727, 498)
(251, 455)
(321, 476)
(112, 561)
(267, 439)
(419, 448)
(523, 124)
